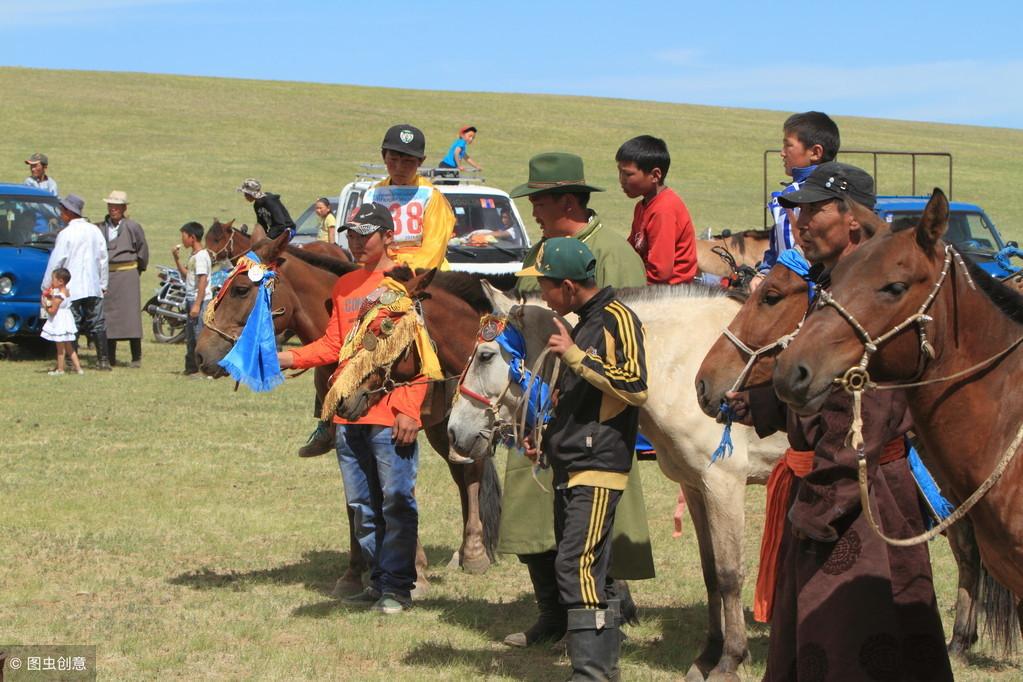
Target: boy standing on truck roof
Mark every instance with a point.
(810, 138)
(423, 219)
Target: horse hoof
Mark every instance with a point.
(476, 566)
(723, 677)
(694, 674)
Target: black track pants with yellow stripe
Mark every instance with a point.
(583, 517)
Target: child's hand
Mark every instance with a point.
(194, 312)
(560, 341)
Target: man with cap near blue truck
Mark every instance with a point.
(588, 443)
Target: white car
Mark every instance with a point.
(489, 238)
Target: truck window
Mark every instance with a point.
(481, 214)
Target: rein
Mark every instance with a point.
(856, 380)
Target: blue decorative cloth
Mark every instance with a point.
(795, 261)
(513, 343)
(253, 359)
(725, 447)
(1003, 256)
(642, 444)
(936, 502)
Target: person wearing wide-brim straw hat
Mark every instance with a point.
(128, 252)
(559, 193)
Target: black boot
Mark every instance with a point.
(550, 626)
(593, 644)
(102, 361)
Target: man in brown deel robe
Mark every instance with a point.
(847, 606)
(129, 256)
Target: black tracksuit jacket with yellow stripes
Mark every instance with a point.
(592, 433)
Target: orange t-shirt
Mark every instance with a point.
(348, 294)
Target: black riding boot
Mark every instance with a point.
(550, 626)
(112, 351)
(102, 361)
(593, 644)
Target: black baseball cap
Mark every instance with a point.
(369, 218)
(405, 139)
(833, 180)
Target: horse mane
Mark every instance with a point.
(653, 293)
(1005, 298)
(467, 287)
(333, 265)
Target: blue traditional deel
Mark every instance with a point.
(511, 340)
(253, 358)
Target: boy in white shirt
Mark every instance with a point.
(197, 289)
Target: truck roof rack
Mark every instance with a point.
(874, 154)
(378, 171)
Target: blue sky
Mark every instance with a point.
(956, 62)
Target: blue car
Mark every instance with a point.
(29, 222)
(969, 229)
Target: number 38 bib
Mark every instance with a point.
(408, 209)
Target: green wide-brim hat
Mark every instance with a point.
(555, 172)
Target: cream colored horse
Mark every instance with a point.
(681, 324)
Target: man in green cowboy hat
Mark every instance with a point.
(560, 196)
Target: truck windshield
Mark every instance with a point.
(969, 229)
(481, 220)
(28, 221)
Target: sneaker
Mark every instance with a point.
(368, 597)
(81, 371)
(55, 373)
(391, 604)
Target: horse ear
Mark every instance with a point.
(870, 222)
(933, 222)
(417, 285)
(500, 302)
(229, 223)
(271, 249)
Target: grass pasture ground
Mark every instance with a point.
(168, 521)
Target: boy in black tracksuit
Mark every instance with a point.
(589, 442)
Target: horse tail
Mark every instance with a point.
(998, 605)
(490, 506)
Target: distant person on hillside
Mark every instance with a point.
(37, 167)
(662, 230)
(328, 223)
(270, 212)
(128, 252)
(458, 155)
(809, 139)
(197, 288)
(81, 249)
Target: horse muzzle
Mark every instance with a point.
(354, 406)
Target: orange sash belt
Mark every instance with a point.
(793, 464)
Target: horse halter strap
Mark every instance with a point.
(755, 354)
(268, 278)
(226, 248)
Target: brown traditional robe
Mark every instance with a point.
(122, 305)
(847, 605)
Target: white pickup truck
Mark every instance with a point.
(489, 236)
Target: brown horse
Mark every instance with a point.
(747, 248)
(302, 302)
(224, 241)
(774, 312)
(950, 335)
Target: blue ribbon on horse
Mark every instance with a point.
(938, 505)
(253, 359)
(513, 343)
(794, 260)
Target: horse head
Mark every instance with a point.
(490, 388)
(227, 313)
(875, 315)
(743, 357)
(225, 242)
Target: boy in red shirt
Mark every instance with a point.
(377, 453)
(662, 231)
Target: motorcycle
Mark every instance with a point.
(167, 306)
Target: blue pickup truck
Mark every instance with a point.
(29, 221)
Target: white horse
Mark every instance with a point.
(681, 324)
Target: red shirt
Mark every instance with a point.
(664, 237)
(348, 294)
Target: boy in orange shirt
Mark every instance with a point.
(662, 230)
(377, 453)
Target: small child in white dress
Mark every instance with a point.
(60, 327)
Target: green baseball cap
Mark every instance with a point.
(554, 172)
(562, 258)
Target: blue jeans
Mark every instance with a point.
(192, 328)
(379, 479)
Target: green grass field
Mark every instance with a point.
(168, 521)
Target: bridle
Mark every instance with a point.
(226, 248)
(270, 281)
(755, 354)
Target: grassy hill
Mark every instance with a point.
(168, 521)
(180, 145)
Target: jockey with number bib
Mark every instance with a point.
(423, 219)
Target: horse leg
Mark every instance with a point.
(714, 642)
(964, 549)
